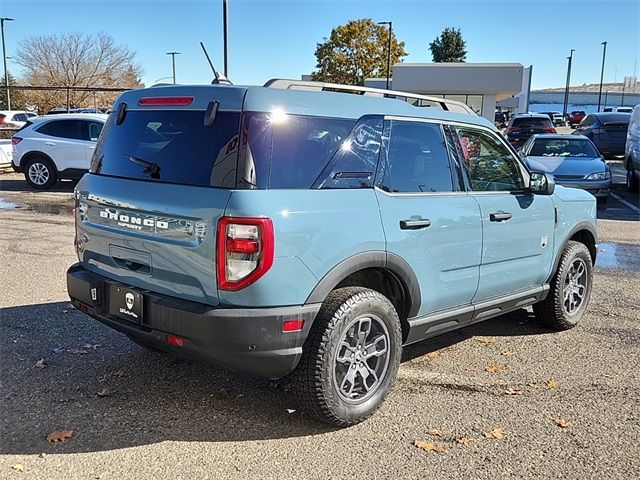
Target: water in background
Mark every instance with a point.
(557, 107)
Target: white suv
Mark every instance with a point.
(55, 147)
(15, 118)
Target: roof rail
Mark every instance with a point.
(413, 98)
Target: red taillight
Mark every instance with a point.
(175, 341)
(550, 130)
(292, 325)
(166, 101)
(15, 140)
(512, 129)
(244, 251)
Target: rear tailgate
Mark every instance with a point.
(148, 209)
(154, 236)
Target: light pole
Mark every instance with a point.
(4, 60)
(173, 64)
(566, 89)
(604, 55)
(388, 50)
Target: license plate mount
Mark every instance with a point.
(126, 303)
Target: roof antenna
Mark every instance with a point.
(218, 78)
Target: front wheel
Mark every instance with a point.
(570, 289)
(351, 357)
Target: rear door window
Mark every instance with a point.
(170, 146)
(415, 160)
(70, 129)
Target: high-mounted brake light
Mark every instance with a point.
(15, 140)
(166, 101)
(244, 251)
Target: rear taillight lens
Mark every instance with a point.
(550, 130)
(244, 251)
(15, 140)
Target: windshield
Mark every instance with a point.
(543, 147)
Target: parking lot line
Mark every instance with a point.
(624, 202)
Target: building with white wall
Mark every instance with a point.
(479, 85)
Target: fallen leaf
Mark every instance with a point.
(464, 441)
(431, 355)
(428, 446)
(436, 433)
(607, 375)
(497, 368)
(484, 340)
(513, 391)
(291, 410)
(19, 467)
(561, 422)
(90, 346)
(222, 394)
(105, 392)
(497, 433)
(41, 363)
(77, 351)
(43, 455)
(552, 384)
(533, 385)
(60, 435)
(508, 353)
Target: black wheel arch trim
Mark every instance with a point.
(577, 228)
(371, 259)
(26, 158)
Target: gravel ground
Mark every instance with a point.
(173, 418)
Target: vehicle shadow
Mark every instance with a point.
(148, 397)
(21, 185)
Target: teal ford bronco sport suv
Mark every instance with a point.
(286, 230)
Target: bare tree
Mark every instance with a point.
(76, 60)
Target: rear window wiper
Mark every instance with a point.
(151, 169)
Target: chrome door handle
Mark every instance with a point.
(499, 216)
(414, 224)
(51, 144)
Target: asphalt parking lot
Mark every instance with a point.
(565, 405)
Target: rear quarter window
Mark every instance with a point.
(536, 122)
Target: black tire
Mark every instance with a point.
(320, 369)
(553, 312)
(40, 173)
(633, 182)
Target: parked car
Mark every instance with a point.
(576, 117)
(608, 132)
(54, 147)
(523, 125)
(572, 160)
(617, 109)
(17, 118)
(632, 151)
(282, 231)
(557, 118)
(57, 110)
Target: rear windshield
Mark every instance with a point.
(615, 117)
(532, 122)
(546, 147)
(172, 146)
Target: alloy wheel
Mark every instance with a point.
(575, 286)
(38, 173)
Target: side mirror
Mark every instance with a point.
(541, 183)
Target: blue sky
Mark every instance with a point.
(277, 38)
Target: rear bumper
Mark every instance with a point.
(245, 340)
(16, 168)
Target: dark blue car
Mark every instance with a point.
(608, 131)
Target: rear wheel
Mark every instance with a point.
(40, 173)
(351, 357)
(570, 289)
